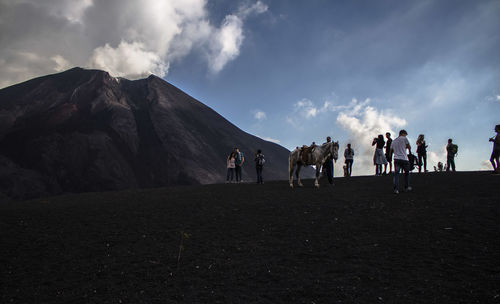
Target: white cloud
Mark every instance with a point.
(306, 108)
(260, 115)
(128, 60)
(256, 8)
(226, 42)
(128, 38)
(61, 63)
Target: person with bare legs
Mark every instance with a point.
(379, 157)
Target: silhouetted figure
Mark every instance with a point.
(452, 151)
(349, 159)
(422, 153)
(399, 146)
(259, 165)
(328, 165)
(239, 159)
(230, 164)
(379, 157)
(495, 154)
(388, 153)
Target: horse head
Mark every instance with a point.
(334, 150)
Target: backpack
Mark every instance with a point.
(413, 161)
(260, 160)
(454, 149)
(237, 158)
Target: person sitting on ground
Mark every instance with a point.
(495, 154)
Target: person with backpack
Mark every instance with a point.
(239, 159)
(259, 165)
(349, 159)
(452, 151)
(422, 153)
(230, 164)
(495, 154)
(401, 162)
(388, 153)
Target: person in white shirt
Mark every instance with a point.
(398, 147)
(349, 158)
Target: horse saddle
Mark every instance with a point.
(305, 153)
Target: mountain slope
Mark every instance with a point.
(83, 130)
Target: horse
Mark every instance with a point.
(317, 157)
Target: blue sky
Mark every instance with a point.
(289, 71)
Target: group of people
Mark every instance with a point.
(394, 149)
(236, 159)
(380, 158)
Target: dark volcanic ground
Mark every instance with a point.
(353, 243)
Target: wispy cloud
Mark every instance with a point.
(260, 115)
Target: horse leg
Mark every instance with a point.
(297, 174)
(316, 182)
(290, 179)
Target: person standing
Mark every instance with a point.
(349, 159)
(399, 146)
(451, 150)
(379, 157)
(422, 153)
(328, 165)
(239, 159)
(230, 164)
(259, 165)
(495, 154)
(388, 153)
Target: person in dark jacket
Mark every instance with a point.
(422, 153)
(388, 153)
(328, 165)
(451, 150)
(259, 165)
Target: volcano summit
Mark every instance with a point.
(84, 130)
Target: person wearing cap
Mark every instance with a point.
(401, 162)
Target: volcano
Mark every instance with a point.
(86, 131)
